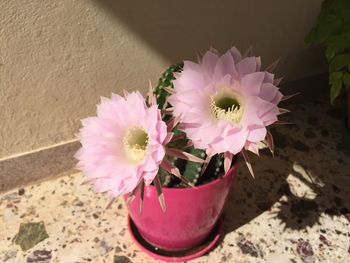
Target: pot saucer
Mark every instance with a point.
(175, 256)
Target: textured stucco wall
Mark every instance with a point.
(58, 57)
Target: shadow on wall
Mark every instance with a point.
(177, 29)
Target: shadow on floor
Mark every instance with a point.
(308, 178)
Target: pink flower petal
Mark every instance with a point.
(159, 154)
(225, 66)
(269, 77)
(257, 135)
(251, 146)
(149, 176)
(268, 92)
(258, 63)
(270, 117)
(246, 66)
(209, 62)
(102, 156)
(237, 57)
(195, 87)
(227, 161)
(252, 82)
(277, 98)
(237, 140)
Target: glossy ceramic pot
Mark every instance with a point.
(191, 213)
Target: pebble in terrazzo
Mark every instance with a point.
(295, 210)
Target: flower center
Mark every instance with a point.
(135, 143)
(226, 106)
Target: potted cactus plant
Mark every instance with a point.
(332, 29)
(172, 155)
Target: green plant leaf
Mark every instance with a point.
(335, 76)
(336, 81)
(339, 62)
(337, 45)
(328, 30)
(334, 19)
(332, 28)
(346, 79)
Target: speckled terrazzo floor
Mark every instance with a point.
(296, 210)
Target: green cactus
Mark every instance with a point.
(214, 170)
(192, 170)
(166, 80)
(166, 179)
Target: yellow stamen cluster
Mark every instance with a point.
(135, 143)
(226, 106)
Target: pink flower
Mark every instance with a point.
(122, 145)
(225, 102)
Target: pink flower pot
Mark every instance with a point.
(191, 213)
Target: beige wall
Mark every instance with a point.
(58, 57)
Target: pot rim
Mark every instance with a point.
(232, 170)
(196, 254)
